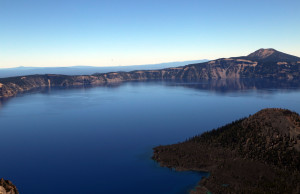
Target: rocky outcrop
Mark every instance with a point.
(267, 63)
(258, 154)
(6, 187)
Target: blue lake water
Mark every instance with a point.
(100, 140)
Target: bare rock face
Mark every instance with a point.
(6, 187)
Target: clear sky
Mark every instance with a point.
(132, 32)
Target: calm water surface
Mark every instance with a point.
(100, 140)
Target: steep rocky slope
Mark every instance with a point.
(264, 63)
(258, 154)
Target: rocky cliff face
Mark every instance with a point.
(6, 187)
(258, 154)
(264, 63)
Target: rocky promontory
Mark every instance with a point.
(264, 63)
(258, 154)
(6, 187)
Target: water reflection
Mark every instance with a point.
(221, 86)
(225, 86)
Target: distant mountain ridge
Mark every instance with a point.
(264, 63)
(88, 70)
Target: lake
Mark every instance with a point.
(100, 139)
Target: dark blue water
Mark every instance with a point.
(100, 140)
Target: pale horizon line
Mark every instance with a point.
(159, 63)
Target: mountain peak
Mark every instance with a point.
(263, 53)
(271, 54)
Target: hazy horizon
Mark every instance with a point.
(122, 33)
(153, 64)
(88, 70)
